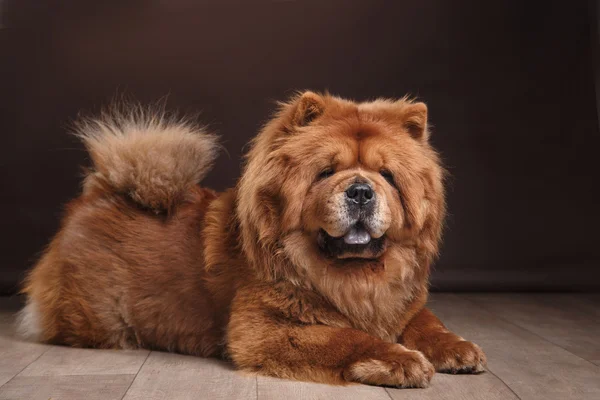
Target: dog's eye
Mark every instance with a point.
(326, 173)
(388, 176)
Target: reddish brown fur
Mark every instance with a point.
(239, 274)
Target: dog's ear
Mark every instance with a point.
(414, 117)
(308, 107)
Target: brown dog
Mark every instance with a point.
(314, 267)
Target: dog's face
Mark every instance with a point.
(332, 183)
(354, 201)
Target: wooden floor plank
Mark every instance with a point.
(17, 355)
(174, 377)
(458, 387)
(564, 319)
(469, 322)
(82, 387)
(585, 302)
(275, 389)
(539, 370)
(531, 366)
(60, 360)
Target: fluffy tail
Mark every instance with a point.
(143, 154)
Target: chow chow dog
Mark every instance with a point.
(313, 267)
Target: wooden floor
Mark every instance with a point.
(539, 346)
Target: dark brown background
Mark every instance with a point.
(510, 86)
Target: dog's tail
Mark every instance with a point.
(143, 154)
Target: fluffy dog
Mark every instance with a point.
(314, 267)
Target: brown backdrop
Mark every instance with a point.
(510, 86)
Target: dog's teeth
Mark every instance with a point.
(357, 236)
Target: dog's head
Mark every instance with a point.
(333, 186)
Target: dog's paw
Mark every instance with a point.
(459, 357)
(402, 368)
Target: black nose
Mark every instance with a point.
(360, 193)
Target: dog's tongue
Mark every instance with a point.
(357, 235)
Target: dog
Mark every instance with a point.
(313, 267)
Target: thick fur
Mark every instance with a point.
(244, 274)
(154, 159)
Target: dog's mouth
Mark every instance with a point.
(357, 243)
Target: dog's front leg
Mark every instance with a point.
(260, 342)
(447, 351)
